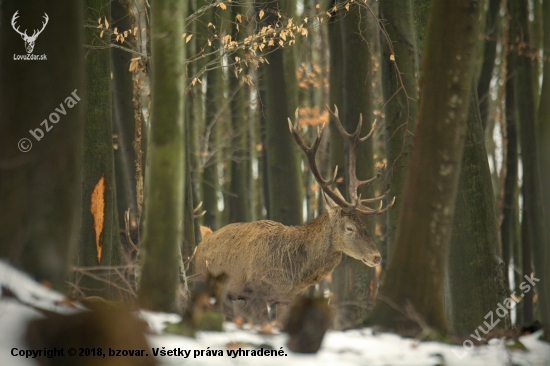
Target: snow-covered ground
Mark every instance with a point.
(355, 347)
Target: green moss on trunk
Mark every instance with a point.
(476, 276)
(164, 181)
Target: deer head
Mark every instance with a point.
(29, 40)
(350, 234)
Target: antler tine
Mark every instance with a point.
(16, 27)
(358, 129)
(365, 138)
(370, 212)
(339, 125)
(310, 154)
(375, 199)
(369, 181)
(43, 25)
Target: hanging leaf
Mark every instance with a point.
(97, 208)
(261, 14)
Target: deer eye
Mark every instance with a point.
(349, 228)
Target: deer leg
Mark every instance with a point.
(282, 313)
(239, 308)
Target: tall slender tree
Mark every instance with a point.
(401, 93)
(99, 242)
(284, 179)
(239, 207)
(525, 107)
(492, 27)
(123, 116)
(164, 183)
(352, 280)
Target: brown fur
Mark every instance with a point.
(268, 261)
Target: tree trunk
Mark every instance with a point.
(160, 249)
(99, 242)
(402, 104)
(510, 231)
(210, 182)
(283, 162)
(532, 190)
(352, 280)
(492, 27)
(414, 282)
(123, 117)
(239, 206)
(40, 189)
(543, 133)
(474, 241)
(336, 97)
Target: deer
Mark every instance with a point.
(270, 263)
(29, 40)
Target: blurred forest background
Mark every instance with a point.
(183, 122)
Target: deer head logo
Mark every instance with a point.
(29, 40)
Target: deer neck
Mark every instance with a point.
(321, 254)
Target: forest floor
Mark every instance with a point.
(24, 300)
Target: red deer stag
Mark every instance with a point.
(268, 262)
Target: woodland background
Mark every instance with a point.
(187, 103)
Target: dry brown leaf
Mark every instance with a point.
(222, 6)
(188, 38)
(239, 18)
(106, 23)
(97, 208)
(261, 14)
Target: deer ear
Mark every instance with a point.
(330, 204)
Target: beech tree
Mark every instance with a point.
(164, 180)
(411, 295)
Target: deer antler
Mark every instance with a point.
(197, 215)
(13, 19)
(356, 204)
(36, 33)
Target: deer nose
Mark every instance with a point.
(377, 259)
